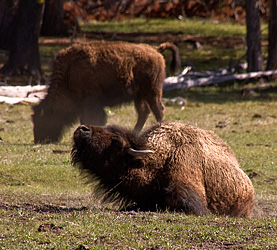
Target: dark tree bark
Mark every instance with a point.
(24, 53)
(53, 19)
(8, 12)
(272, 37)
(253, 37)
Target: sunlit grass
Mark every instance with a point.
(96, 229)
(34, 177)
(202, 27)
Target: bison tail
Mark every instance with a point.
(175, 64)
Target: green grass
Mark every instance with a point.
(40, 187)
(113, 230)
(187, 26)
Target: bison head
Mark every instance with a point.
(47, 128)
(50, 120)
(105, 152)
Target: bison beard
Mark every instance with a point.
(90, 76)
(170, 166)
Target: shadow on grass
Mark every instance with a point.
(221, 95)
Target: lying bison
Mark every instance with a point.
(90, 76)
(169, 166)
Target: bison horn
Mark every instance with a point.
(137, 153)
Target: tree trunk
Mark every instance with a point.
(254, 52)
(53, 19)
(8, 11)
(24, 53)
(272, 37)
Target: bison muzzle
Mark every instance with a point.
(170, 166)
(88, 77)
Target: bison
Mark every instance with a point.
(88, 77)
(170, 166)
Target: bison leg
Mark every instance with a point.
(157, 108)
(143, 111)
(180, 197)
(93, 114)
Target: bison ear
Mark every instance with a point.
(118, 141)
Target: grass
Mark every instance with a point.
(186, 26)
(45, 204)
(112, 230)
(39, 187)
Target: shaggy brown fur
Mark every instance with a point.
(188, 169)
(90, 76)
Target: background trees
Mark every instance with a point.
(21, 23)
(253, 37)
(272, 37)
(23, 41)
(7, 21)
(53, 19)
(20, 26)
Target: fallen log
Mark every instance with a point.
(189, 79)
(19, 94)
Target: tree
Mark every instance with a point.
(24, 53)
(254, 51)
(53, 19)
(272, 37)
(20, 26)
(8, 9)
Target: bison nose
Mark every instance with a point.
(84, 128)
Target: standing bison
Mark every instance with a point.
(169, 166)
(90, 76)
